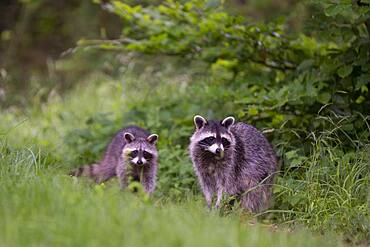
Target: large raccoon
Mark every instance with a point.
(131, 154)
(233, 158)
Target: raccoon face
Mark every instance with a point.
(140, 151)
(212, 136)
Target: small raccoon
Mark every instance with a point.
(131, 154)
(233, 158)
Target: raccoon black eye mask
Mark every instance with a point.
(232, 158)
(134, 153)
(140, 157)
(131, 153)
(208, 141)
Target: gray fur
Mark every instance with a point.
(245, 169)
(117, 160)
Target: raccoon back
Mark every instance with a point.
(254, 153)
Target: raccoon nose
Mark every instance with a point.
(139, 162)
(218, 150)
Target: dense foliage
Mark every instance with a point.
(297, 75)
(308, 92)
(36, 35)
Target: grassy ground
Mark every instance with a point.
(41, 205)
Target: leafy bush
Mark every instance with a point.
(277, 78)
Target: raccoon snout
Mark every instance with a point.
(138, 161)
(217, 149)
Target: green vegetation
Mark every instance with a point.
(306, 87)
(310, 92)
(41, 205)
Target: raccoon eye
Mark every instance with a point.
(225, 142)
(207, 141)
(147, 155)
(134, 153)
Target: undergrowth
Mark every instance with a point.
(325, 190)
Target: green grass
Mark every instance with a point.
(41, 205)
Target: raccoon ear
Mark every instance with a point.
(199, 121)
(152, 138)
(128, 137)
(227, 122)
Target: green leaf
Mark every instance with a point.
(324, 98)
(291, 154)
(333, 10)
(344, 71)
(252, 111)
(338, 8)
(360, 99)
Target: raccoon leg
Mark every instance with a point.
(208, 195)
(219, 197)
(122, 175)
(207, 186)
(256, 200)
(148, 183)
